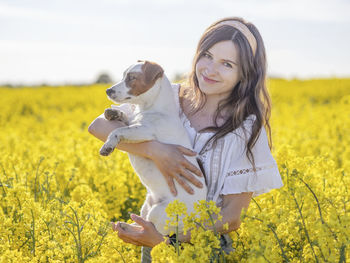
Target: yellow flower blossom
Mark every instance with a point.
(58, 194)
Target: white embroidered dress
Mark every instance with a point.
(226, 166)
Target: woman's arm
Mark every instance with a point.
(168, 158)
(231, 213)
(102, 127)
(147, 235)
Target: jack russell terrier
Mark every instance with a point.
(155, 117)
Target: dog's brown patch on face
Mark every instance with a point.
(140, 82)
(134, 80)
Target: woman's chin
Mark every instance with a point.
(207, 89)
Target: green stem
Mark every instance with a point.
(36, 177)
(79, 238)
(212, 222)
(13, 166)
(98, 248)
(120, 254)
(1, 184)
(257, 204)
(3, 189)
(177, 235)
(33, 231)
(275, 235)
(319, 208)
(304, 227)
(75, 239)
(342, 258)
(3, 169)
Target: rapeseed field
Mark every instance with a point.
(58, 194)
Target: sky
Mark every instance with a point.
(73, 41)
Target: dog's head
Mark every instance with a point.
(137, 79)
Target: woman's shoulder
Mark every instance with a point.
(242, 133)
(181, 88)
(175, 85)
(246, 125)
(250, 118)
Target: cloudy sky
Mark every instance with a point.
(73, 41)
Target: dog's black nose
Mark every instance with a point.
(109, 91)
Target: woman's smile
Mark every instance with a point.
(211, 81)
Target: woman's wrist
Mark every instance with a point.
(150, 150)
(159, 240)
(143, 149)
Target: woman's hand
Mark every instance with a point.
(143, 233)
(170, 160)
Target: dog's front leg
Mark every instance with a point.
(129, 134)
(115, 114)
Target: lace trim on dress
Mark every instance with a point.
(250, 170)
(215, 169)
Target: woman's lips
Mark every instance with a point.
(209, 80)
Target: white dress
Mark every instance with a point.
(226, 166)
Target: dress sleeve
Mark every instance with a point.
(240, 176)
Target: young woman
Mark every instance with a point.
(225, 107)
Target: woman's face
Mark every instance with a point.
(218, 69)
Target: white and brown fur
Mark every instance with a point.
(156, 117)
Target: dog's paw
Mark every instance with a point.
(114, 114)
(106, 150)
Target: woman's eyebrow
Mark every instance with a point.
(225, 59)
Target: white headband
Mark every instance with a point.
(244, 30)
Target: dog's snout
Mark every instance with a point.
(109, 91)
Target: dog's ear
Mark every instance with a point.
(152, 71)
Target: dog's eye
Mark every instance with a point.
(130, 77)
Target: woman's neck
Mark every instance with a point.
(209, 108)
(211, 104)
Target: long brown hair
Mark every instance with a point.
(249, 96)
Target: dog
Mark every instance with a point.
(156, 117)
